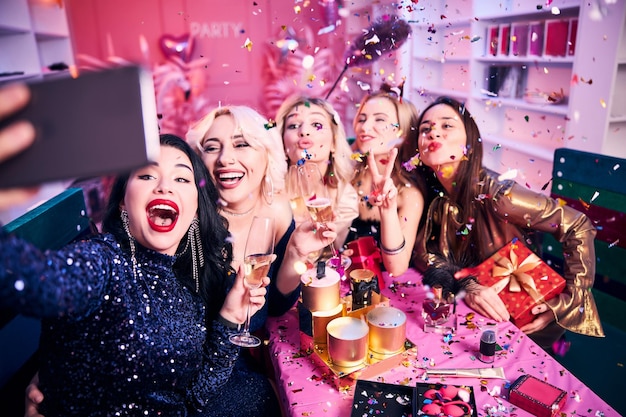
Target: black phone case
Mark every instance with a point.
(99, 123)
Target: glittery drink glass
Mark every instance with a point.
(439, 312)
(258, 256)
(317, 201)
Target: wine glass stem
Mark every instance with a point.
(246, 326)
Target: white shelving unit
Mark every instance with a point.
(34, 35)
(454, 54)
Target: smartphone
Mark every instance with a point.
(99, 123)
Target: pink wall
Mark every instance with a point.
(102, 28)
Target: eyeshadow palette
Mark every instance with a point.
(377, 398)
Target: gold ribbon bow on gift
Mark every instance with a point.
(515, 275)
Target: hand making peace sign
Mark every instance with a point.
(384, 191)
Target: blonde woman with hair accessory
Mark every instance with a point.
(390, 202)
(312, 132)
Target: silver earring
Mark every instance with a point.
(131, 241)
(268, 189)
(197, 254)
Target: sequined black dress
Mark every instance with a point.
(113, 343)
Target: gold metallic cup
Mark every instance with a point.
(320, 294)
(321, 320)
(387, 330)
(347, 341)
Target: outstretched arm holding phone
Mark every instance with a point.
(14, 139)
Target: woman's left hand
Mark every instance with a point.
(384, 191)
(543, 317)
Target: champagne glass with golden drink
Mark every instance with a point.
(294, 191)
(258, 257)
(317, 200)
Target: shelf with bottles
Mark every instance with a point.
(523, 10)
(549, 40)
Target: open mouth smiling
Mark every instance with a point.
(229, 178)
(162, 215)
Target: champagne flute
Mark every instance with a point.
(294, 191)
(258, 256)
(317, 200)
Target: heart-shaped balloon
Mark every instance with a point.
(180, 46)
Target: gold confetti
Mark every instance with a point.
(248, 45)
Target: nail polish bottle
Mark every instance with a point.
(439, 312)
(487, 350)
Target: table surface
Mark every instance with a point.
(308, 387)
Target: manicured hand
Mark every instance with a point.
(543, 317)
(14, 139)
(384, 191)
(486, 301)
(236, 303)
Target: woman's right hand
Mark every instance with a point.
(14, 139)
(236, 303)
(33, 398)
(486, 301)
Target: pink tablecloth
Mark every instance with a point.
(308, 388)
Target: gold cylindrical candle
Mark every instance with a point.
(320, 294)
(387, 330)
(347, 341)
(321, 320)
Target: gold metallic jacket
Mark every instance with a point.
(510, 210)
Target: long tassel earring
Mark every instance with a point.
(131, 241)
(197, 254)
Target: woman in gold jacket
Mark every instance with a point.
(472, 213)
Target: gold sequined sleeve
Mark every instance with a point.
(575, 308)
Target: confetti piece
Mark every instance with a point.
(248, 45)
(509, 175)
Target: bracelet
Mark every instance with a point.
(228, 323)
(393, 251)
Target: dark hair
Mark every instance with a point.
(213, 231)
(468, 174)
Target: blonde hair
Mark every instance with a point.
(407, 120)
(340, 165)
(257, 132)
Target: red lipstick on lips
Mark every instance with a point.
(162, 215)
(433, 146)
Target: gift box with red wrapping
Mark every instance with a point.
(366, 255)
(536, 396)
(521, 279)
